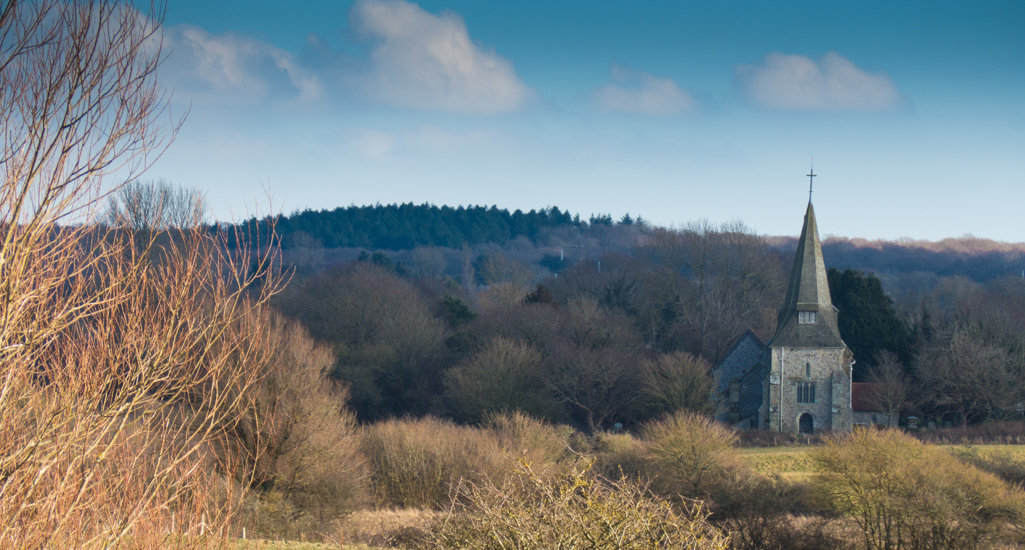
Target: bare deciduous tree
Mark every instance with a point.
(428, 262)
(504, 376)
(891, 387)
(499, 268)
(303, 252)
(678, 381)
(598, 383)
(385, 335)
(155, 206)
(717, 282)
(968, 376)
(118, 373)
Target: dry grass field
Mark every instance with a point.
(358, 531)
(365, 529)
(288, 545)
(795, 463)
(293, 545)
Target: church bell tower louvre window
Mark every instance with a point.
(806, 317)
(805, 392)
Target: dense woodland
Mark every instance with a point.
(406, 226)
(589, 323)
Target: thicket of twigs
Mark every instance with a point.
(128, 353)
(574, 509)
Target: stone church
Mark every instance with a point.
(800, 381)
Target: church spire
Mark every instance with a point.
(807, 318)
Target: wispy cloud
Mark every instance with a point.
(372, 144)
(376, 144)
(233, 68)
(796, 82)
(641, 93)
(427, 61)
(415, 59)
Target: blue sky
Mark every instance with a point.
(676, 111)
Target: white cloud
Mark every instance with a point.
(372, 144)
(796, 82)
(642, 93)
(432, 139)
(428, 61)
(375, 144)
(231, 67)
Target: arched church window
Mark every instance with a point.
(807, 370)
(805, 392)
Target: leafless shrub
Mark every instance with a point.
(575, 509)
(300, 439)
(127, 359)
(692, 455)
(903, 494)
(787, 532)
(419, 463)
(678, 381)
(521, 436)
(506, 375)
(621, 455)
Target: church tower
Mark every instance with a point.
(808, 387)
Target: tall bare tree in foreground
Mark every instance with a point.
(120, 364)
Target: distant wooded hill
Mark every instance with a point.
(403, 227)
(971, 257)
(407, 226)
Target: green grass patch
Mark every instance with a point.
(1009, 451)
(789, 462)
(796, 462)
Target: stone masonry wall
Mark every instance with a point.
(869, 418)
(831, 410)
(744, 357)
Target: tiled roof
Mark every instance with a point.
(864, 396)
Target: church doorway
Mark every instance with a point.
(805, 424)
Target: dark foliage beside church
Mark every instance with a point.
(867, 319)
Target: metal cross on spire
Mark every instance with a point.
(811, 179)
